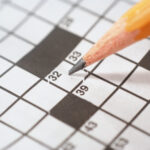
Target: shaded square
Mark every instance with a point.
(73, 110)
(145, 62)
(109, 148)
(49, 53)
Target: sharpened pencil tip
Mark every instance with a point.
(78, 66)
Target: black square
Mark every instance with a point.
(49, 53)
(73, 110)
(145, 62)
(108, 148)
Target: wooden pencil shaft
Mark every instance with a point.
(131, 27)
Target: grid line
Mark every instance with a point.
(86, 77)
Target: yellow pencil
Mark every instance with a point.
(133, 26)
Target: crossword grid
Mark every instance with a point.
(82, 128)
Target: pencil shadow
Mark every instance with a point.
(79, 74)
(141, 78)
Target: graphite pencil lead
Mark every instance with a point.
(78, 66)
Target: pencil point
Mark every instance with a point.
(78, 66)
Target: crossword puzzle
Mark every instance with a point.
(103, 107)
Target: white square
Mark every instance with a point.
(133, 139)
(136, 1)
(106, 127)
(91, 67)
(10, 17)
(34, 30)
(73, 1)
(97, 6)
(60, 76)
(2, 34)
(99, 30)
(6, 100)
(53, 10)
(81, 22)
(114, 69)
(142, 121)
(118, 10)
(97, 92)
(22, 116)
(124, 105)
(7, 135)
(26, 4)
(79, 51)
(82, 142)
(18, 80)
(139, 83)
(51, 131)
(14, 48)
(136, 51)
(4, 65)
(45, 95)
(28, 144)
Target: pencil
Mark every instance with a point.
(133, 26)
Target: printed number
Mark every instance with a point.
(68, 146)
(54, 76)
(82, 89)
(90, 125)
(121, 143)
(67, 22)
(75, 55)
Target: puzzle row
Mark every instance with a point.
(138, 83)
(79, 21)
(51, 131)
(84, 100)
(29, 35)
(130, 139)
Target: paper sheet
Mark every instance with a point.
(103, 107)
